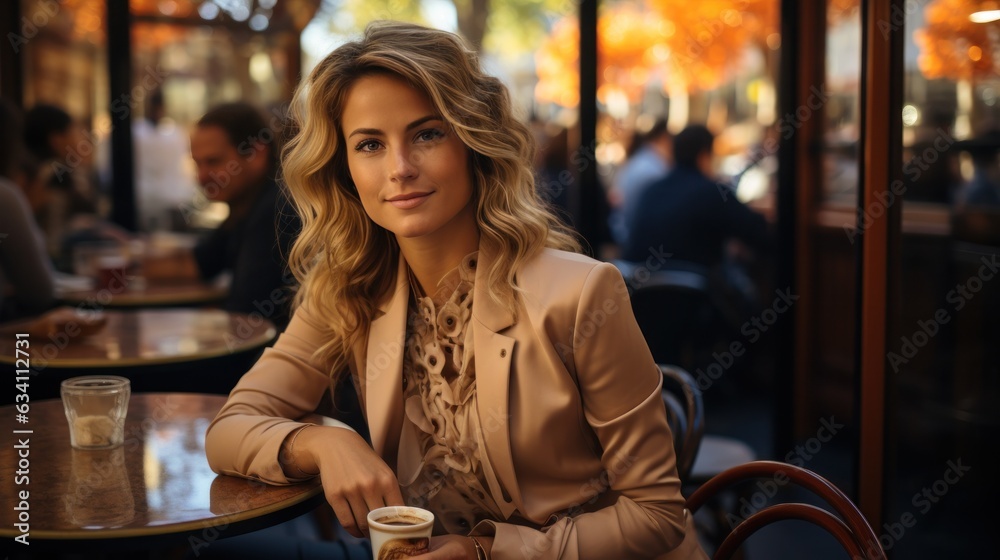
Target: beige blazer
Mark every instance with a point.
(574, 432)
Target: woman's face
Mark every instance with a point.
(411, 170)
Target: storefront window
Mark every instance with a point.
(942, 353)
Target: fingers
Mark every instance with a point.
(360, 509)
(355, 479)
(345, 516)
(352, 504)
(393, 497)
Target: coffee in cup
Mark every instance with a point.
(399, 531)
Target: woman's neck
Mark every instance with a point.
(430, 260)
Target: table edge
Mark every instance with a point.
(126, 300)
(170, 529)
(252, 344)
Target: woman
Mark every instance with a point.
(504, 381)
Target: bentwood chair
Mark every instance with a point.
(700, 456)
(849, 527)
(674, 308)
(685, 415)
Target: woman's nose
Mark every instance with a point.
(404, 165)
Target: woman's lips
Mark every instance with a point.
(409, 200)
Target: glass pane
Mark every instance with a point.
(841, 106)
(829, 389)
(943, 358)
(65, 73)
(186, 58)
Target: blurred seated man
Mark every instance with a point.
(648, 160)
(26, 285)
(235, 152)
(687, 216)
(983, 189)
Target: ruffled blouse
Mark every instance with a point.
(442, 439)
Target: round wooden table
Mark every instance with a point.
(155, 490)
(203, 350)
(149, 337)
(134, 294)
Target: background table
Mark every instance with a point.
(202, 350)
(149, 295)
(155, 490)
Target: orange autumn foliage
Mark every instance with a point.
(952, 46)
(694, 44)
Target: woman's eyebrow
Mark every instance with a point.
(377, 132)
(421, 121)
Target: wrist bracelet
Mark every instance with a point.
(480, 551)
(290, 451)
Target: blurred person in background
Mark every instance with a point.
(235, 150)
(70, 209)
(694, 219)
(983, 189)
(647, 161)
(163, 185)
(26, 283)
(553, 179)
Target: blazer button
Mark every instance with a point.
(503, 353)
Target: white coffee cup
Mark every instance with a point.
(399, 531)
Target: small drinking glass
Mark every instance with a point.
(95, 409)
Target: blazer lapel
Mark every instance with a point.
(383, 370)
(494, 354)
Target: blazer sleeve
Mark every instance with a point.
(620, 388)
(269, 402)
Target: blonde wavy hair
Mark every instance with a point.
(345, 262)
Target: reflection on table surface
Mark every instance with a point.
(133, 292)
(149, 337)
(158, 483)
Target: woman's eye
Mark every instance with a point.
(366, 146)
(429, 135)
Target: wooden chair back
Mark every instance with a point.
(685, 414)
(849, 526)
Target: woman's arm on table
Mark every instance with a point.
(285, 384)
(258, 434)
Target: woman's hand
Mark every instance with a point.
(355, 479)
(449, 547)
